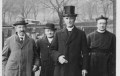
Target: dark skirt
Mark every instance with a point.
(47, 68)
(99, 64)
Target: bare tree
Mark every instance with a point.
(88, 9)
(25, 7)
(92, 8)
(56, 5)
(6, 7)
(106, 6)
(35, 8)
(114, 15)
(10, 15)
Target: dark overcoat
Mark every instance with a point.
(74, 47)
(102, 53)
(17, 58)
(47, 64)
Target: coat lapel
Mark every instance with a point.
(17, 40)
(25, 41)
(46, 40)
(64, 34)
(72, 36)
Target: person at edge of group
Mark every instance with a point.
(19, 55)
(69, 48)
(43, 45)
(102, 45)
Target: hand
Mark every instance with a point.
(84, 72)
(62, 60)
(35, 68)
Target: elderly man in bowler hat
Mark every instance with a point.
(43, 45)
(69, 47)
(102, 46)
(19, 52)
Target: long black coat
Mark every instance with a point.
(102, 53)
(74, 47)
(47, 64)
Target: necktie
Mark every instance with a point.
(21, 40)
(69, 33)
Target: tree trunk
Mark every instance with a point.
(60, 20)
(3, 18)
(114, 16)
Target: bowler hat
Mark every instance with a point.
(69, 11)
(20, 21)
(101, 17)
(50, 26)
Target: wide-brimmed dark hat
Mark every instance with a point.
(69, 11)
(20, 21)
(101, 17)
(50, 26)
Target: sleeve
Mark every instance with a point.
(112, 59)
(88, 40)
(54, 49)
(38, 47)
(85, 51)
(36, 58)
(113, 49)
(38, 50)
(5, 54)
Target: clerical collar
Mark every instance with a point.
(50, 39)
(100, 31)
(70, 29)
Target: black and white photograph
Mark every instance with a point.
(59, 37)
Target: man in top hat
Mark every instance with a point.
(69, 47)
(43, 45)
(102, 46)
(19, 52)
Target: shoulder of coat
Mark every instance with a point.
(61, 30)
(9, 39)
(40, 39)
(31, 39)
(91, 34)
(110, 33)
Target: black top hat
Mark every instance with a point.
(50, 26)
(101, 17)
(69, 11)
(20, 21)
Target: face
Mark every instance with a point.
(69, 21)
(20, 29)
(101, 24)
(49, 33)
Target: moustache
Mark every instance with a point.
(22, 31)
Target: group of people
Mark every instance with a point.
(64, 52)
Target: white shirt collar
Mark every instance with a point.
(100, 31)
(21, 37)
(70, 29)
(50, 39)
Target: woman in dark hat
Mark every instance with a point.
(102, 44)
(69, 47)
(43, 45)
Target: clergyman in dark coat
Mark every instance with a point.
(102, 44)
(43, 45)
(69, 47)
